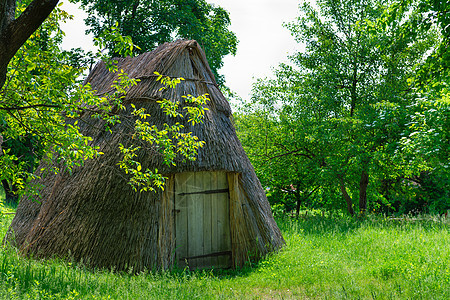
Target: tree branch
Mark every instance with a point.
(28, 107)
(15, 32)
(28, 22)
(293, 152)
(346, 196)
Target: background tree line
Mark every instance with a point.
(359, 120)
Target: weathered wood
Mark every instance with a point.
(206, 181)
(213, 224)
(223, 221)
(206, 220)
(195, 222)
(241, 233)
(218, 191)
(223, 253)
(181, 220)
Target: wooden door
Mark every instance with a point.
(202, 220)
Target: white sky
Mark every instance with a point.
(263, 41)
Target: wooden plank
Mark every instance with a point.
(239, 237)
(198, 206)
(203, 220)
(214, 211)
(192, 219)
(206, 177)
(223, 221)
(181, 221)
(219, 191)
(222, 182)
(192, 184)
(211, 254)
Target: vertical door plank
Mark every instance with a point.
(198, 221)
(181, 220)
(203, 220)
(192, 219)
(223, 220)
(214, 211)
(206, 177)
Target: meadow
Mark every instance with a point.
(325, 257)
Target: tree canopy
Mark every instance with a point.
(43, 100)
(150, 23)
(339, 116)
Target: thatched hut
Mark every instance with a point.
(212, 213)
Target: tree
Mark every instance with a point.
(40, 86)
(425, 142)
(150, 23)
(289, 174)
(15, 31)
(27, 152)
(344, 101)
(25, 148)
(43, 100)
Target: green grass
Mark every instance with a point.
(325, 258)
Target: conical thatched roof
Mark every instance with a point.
(95, 216)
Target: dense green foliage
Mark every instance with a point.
(40, 85)
(150, 23)
(357, 115)
(44, 99)
(332, 257)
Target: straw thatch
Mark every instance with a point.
(93, 215)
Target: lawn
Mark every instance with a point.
(325, 258)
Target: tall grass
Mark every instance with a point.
(325, 258)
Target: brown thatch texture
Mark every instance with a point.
(93, 214)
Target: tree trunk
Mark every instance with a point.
(299, 198)
(363, 183)
(346, 196)
(299, 202)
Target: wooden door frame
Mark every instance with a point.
(228, 253)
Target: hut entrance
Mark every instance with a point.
(202, 220)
